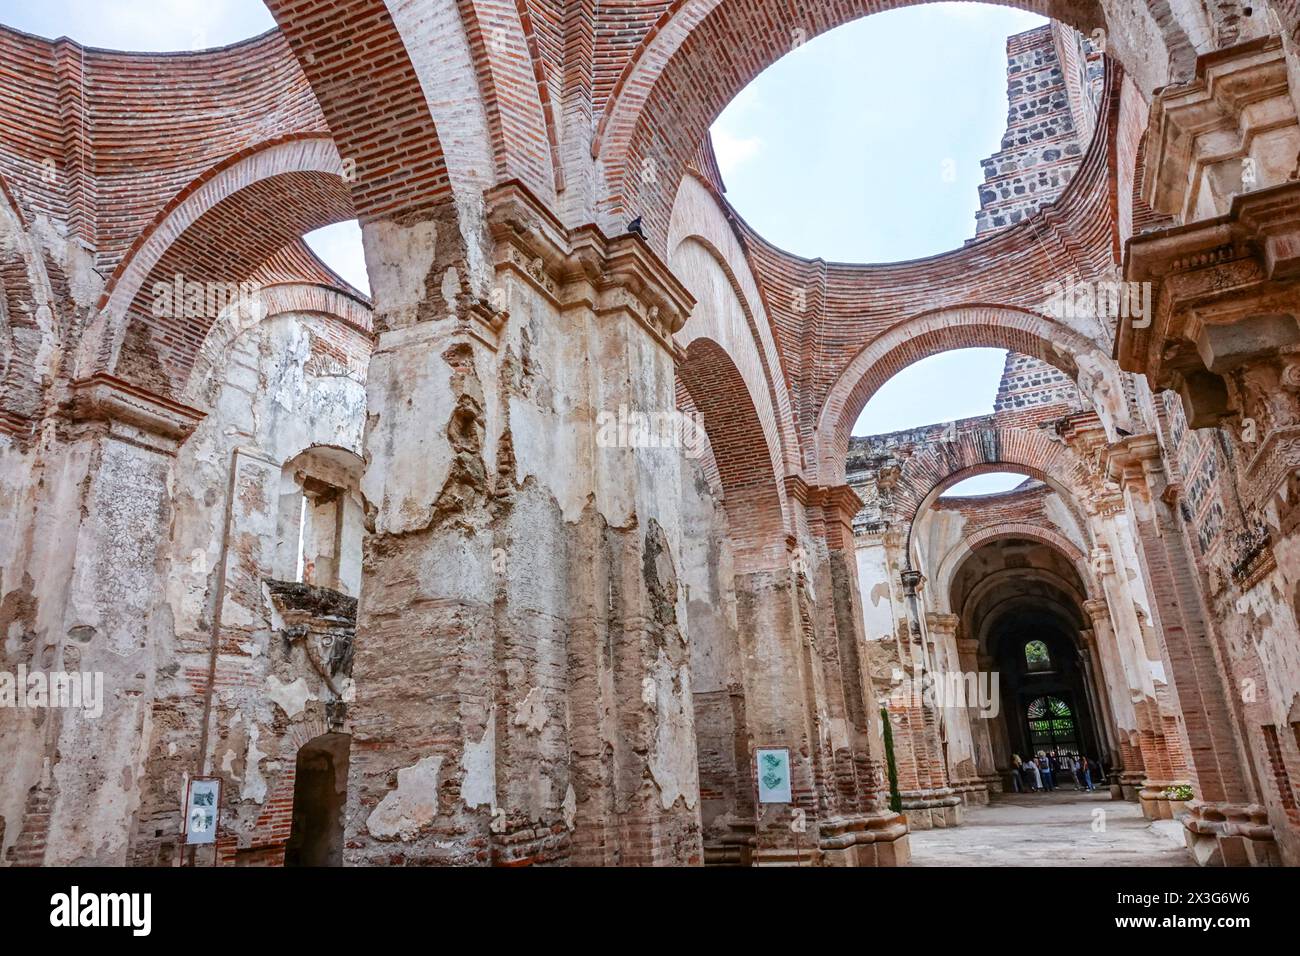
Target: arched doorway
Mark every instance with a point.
(319, 796)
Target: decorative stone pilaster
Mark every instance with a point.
(957, 690)
(930, 801)
(93, 605)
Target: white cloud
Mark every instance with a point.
(150, 25)
(734, 151)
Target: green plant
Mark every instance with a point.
(895, 798)
(1181, 793)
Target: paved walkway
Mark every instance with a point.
(1053, 829)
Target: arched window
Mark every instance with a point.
(1036, 656)
(1051, 726)
(321, 520)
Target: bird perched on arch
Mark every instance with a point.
(634, 227)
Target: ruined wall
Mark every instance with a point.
(232, 675)
(1050, 120)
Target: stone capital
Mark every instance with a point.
(131, 413)
(937, 622)
(1099, 612)
(583, 267)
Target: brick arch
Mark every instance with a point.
(30, 336)
(982, 447)
(924, 335)
(699, 217)
(272, 301)
(753, 495)
(358, 66)
(696, 58)
(219, 228)
(1049, 537)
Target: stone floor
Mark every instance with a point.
(1053, 829)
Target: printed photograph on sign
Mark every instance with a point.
(201, 810)
(773, 775)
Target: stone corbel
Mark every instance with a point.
(130, 413)
(913, 582)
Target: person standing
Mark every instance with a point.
(1045, 771)
(1016, 773)
(1085, 773)
(1036, 774)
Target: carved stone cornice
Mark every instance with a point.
(130, 412)
(1224, 293)
(1231, 129)
(582, 267)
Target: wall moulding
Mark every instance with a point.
(583, 267)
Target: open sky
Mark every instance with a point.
(861, 145)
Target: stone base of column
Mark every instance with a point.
(994, 783)
(1228, 834)
(1156, 805)
(927, 809)
(1130, 785)
(866, 839)
(734, 848)
(972, 792)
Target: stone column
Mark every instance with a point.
(90, 603)
(861, 830)
(958, 698)
(932, 803)
(1097, 694)
(522, 671)
(1126, 772)
(980, 713)
(1135, 628)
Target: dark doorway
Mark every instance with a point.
(319, 796)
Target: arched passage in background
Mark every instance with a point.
(689, 67)
(202, 250)
(1020, 600)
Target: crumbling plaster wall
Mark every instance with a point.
(547, 717)
(283, 387)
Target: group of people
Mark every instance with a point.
(1047, 771)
